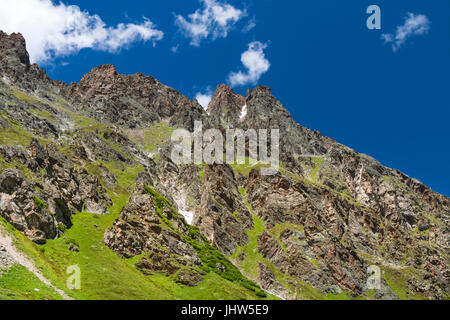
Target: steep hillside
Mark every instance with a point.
(86, 179)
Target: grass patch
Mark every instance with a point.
(125, 174)
(397, 280)
(318, 162)
(279, 228)
(20, 284)
(39, 203)
(252, 256)
(15, 136)
(43, 114)
(25, 97)
(152, 138)
(245, 168)
(82, 122)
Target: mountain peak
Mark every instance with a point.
(259, 91)
(102, 72)
(14, 45)
(14, 57)
(225, 104)
(15, 65)
(225, 93)
(108, 69)
(223, 89)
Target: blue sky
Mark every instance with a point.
(326, 67)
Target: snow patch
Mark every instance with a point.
(243, 112)
(152, 154)
(6, 80)
(188, 215)
(181, 204)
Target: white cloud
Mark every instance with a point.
(256, 64)
(214, 19)
(56, 30)
(414, 25)
(250, 25)
(204, 99)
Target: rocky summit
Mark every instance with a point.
(87, 179)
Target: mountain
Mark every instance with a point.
(87, 180)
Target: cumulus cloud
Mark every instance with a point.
(55, 30)
(204, 98)
(255, 64)
(214, 19)
(414, 25)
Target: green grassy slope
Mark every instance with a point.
(104, 275)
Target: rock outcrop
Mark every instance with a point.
(149, 225)
(223, 217)
(43, 207)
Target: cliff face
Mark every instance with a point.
(309, 231)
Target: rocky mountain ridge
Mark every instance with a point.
(310, 231)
